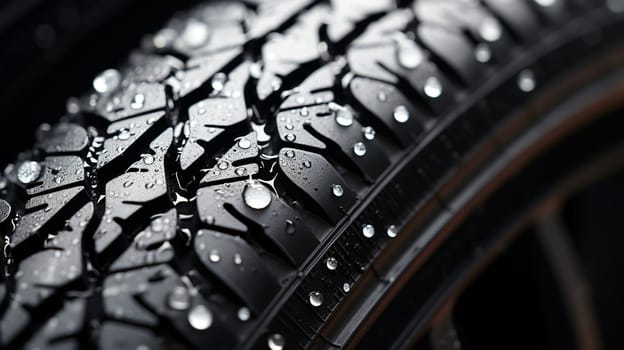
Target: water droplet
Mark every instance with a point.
(58, 179)
(290, 137)
(200, 317)
(276, 342)
(381, 96)
(214, 256)
(290, 153)
(107, 81)
(290, 227)
(483, 53)
(316, 299)
(128, 183)
(223, 165)
(137, 101)
(526, 80)
(157, 225)
(307, 163)
(237, 259)
(179, 298)
(616, 6)
(29, 172)
(240, 171)
(344, 116)
(148, 159)
(244, 143)
(255, 70)
(256, 195)
(392, 231)
(337, 190)
(409, 54)
(490, 29)
(195, 33)
(369, 133)
(433, 87)
(368, 230)
(124, 134)
(545, 3)
(359, 149)
(244, 314)
(346, 287)
(331, 263)
(218, 81)
(401, 114)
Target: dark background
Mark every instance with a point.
(51, 50)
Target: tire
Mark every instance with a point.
(236, 179)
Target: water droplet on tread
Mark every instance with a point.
(276, 342)
(107, 81)
(218, 81)
(290, 227)
(29, 172)
(337, 190)
(179, 298)
(200, 317)
(195, 33)
(433, 87)
(368, 230)
(243, 314)
(369, 133)
(392, 231)
(401, 114)
(256, 196)
(359, 149)
(316, 299)
(490, 29)
(331, 263)
(526, 80)
(137, 101)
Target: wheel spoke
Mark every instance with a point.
(573, 286)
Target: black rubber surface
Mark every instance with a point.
(205, 195)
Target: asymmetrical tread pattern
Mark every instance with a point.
(205, 193)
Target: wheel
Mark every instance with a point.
(299, 174)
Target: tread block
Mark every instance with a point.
(200, 69)
(41, 211)
(277, 222)
(282, 54)
(13, 321)
(133, 100)
(320, 181)
(518, 16)
(66, 323)
(333, 125)
(236, 265)
(122, 200)
(115, 335)
(235, 163)
(456, 50)
(121, 289)
(151, 246)
(124, 134)
(191, 316)
(63, 138)
(59, 171)
(366, 92)
(271, 14)
(150, 68)
(210, 117)
(424, 78)
(58, 265)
